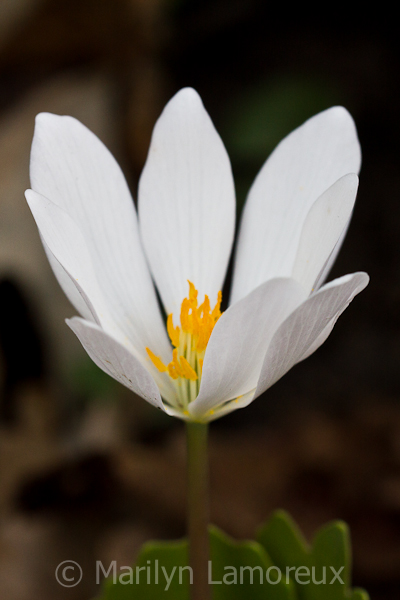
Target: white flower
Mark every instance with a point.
(294, 220)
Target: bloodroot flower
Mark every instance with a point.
(203, 363)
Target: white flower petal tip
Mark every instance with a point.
(187, 202)
(293, 223)
(116, 360)
(186, 99)
(44, 118)
(76, 172)
(300, 169)
(324, 225)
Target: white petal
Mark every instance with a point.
(72, 168)
(239, 341)
(71, 288)
(186, 202)
(308, 327)
(300, 169)
(116, 360)
(320, 339)
(323, 227)
(230, 406)
(68, 255)
(331, 260)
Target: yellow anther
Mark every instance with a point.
(172, 371)
(175, 362)
(188, 372)
(156, 360)
(192, 292)
(173, 332)
(204, 308)
(189, 340)
(203, 338)
(216, 313)
(185, 314)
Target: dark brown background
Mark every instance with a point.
(87, 471)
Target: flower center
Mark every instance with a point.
(190, 341)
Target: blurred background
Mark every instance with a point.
(88, 471)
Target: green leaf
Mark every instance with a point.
(238, 571)
(284, 542)
(245, 570)
(279, 565)
(331, 549)
(159, 573)
(320, 571)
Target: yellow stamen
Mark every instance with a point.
(188, 372)
(172, 371)
(192, 292)
(216, 313)
(175, 363)
(189, 341)
(185, 314)
(156, 360)
(173, 332)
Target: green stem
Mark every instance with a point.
(198, 508)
